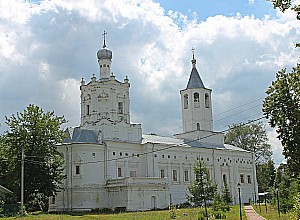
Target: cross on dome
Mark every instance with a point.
(104, 44)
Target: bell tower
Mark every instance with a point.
(105, 103)
(196, 103)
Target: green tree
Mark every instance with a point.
(226, 195)
(265, 175)
(287, 188)
(286, 4)
(251, 137)
(38, 133)
(202, 189)
(282, 108)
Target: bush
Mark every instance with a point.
(220, 215)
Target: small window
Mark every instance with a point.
(101, 66)
(126, 154)
(186, 175)
(88, 109)
(133, 173)
(174, 157)
(138, 155)
(198, 126)
(119, 172)
(121, 154)
(120, 107)
(224, 179)
(163, 156)
(162, 173)
(175, 175)
(196, 97)
(206, 100)
(114, 153)
(242, 178)
(93, 154)
(168, 156)
(155, 155)
(107, 65)
(53, 200)
(196, 100)
(77, 170)
(249, 179)
(207, 159)
(186, 101)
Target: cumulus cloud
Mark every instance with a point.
(46, 48)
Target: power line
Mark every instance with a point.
(159, 150)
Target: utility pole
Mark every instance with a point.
(22, 182)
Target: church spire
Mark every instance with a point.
(193, 60)
(195, 81)
(104, 56)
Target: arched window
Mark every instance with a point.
(206, 100)
(198, 126)
(196, 100)
(186, 101)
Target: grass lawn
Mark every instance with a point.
(271, 213)
(188, 214)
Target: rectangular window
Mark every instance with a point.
(249, 178)
(242, 178)
(133, 173)
(119, 172)
(162, 173)
(186, 175)
(175, 175)
(77, 170)
(53, 200)
(88, 110)
(120, 107)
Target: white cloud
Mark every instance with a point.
(46, 48)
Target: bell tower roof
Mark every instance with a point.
(195, 81)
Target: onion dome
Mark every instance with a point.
(104, 53)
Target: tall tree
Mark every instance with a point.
(282, 108)
(38, 133)
(265, 175)
(202, 189)
(251, 137)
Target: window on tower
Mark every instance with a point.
(196, 100)
(120, 107)
(186, 101)
(88, 109)
(198, 126)
(206, 100)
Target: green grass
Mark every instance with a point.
(271, 213)
(183, 214)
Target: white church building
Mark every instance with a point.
(110, 163)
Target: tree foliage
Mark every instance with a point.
(282, 108)
(287, 188)
(202, 189)
(286, 4)
(251, 137)
(37, 133)
(265, 175)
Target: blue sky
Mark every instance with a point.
(205, 9)
(46, 47)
